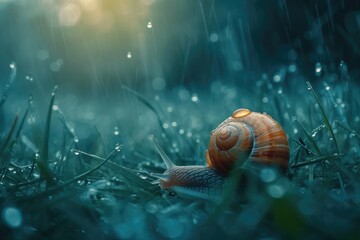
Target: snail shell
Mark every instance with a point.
(247, 136)
(244, 137)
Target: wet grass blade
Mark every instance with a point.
(9, 135)
(316, 160)
(125, 172)
(325, 119)
(310, 139)
(44, 156)
(146, 103)
(8, 84)
(55, 189)
(24, 118)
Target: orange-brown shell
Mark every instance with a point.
(247, 135)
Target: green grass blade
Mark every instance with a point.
(316, 160)
(146, 103)
(310, 139)
(325, 119)
(24, 118)
(8, 84)
(44, 154)
(9, 135)
(55, 189)
(125, 172)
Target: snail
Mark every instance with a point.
(245, 138)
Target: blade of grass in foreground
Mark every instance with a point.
(316, 160)
(44, 156)
(325, 119)
(125, 172)
(55, 189)
(9, 135)
(311, 140)
(146, 103)
(8, 84)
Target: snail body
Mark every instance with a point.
(244, 138)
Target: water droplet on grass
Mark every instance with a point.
(318, 69)
(116, 131)
(149, 25)
(129, 55)
(118, 147)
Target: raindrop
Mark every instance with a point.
(292, 68)
(277, 78)
(194, 98)
(174, 124)
(128, 55)
(76, 139)
(75, 152)
(118, 147)
(327, 88)
(265, 100)
(12, 65)
(181, 131)
(318, 69)
(116, 131)
(149, 25)
(29, 78)
(12, 217)
(165, 125)
(189, 134)
(55, 108)
(214, 37)
(169, 109)
(296, 130)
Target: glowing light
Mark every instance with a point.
(69, 15)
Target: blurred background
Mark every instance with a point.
(91, 47)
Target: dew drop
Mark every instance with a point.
(149, 25)
(194, 98)
(118, 147)
(239, 113)
(169, 109)
(12, 65)
(214, 37)
(116, 131)
(277, 78)
(129, 55)
(318, 69)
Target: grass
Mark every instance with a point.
(64, 186)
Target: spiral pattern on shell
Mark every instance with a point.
(246, 136)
